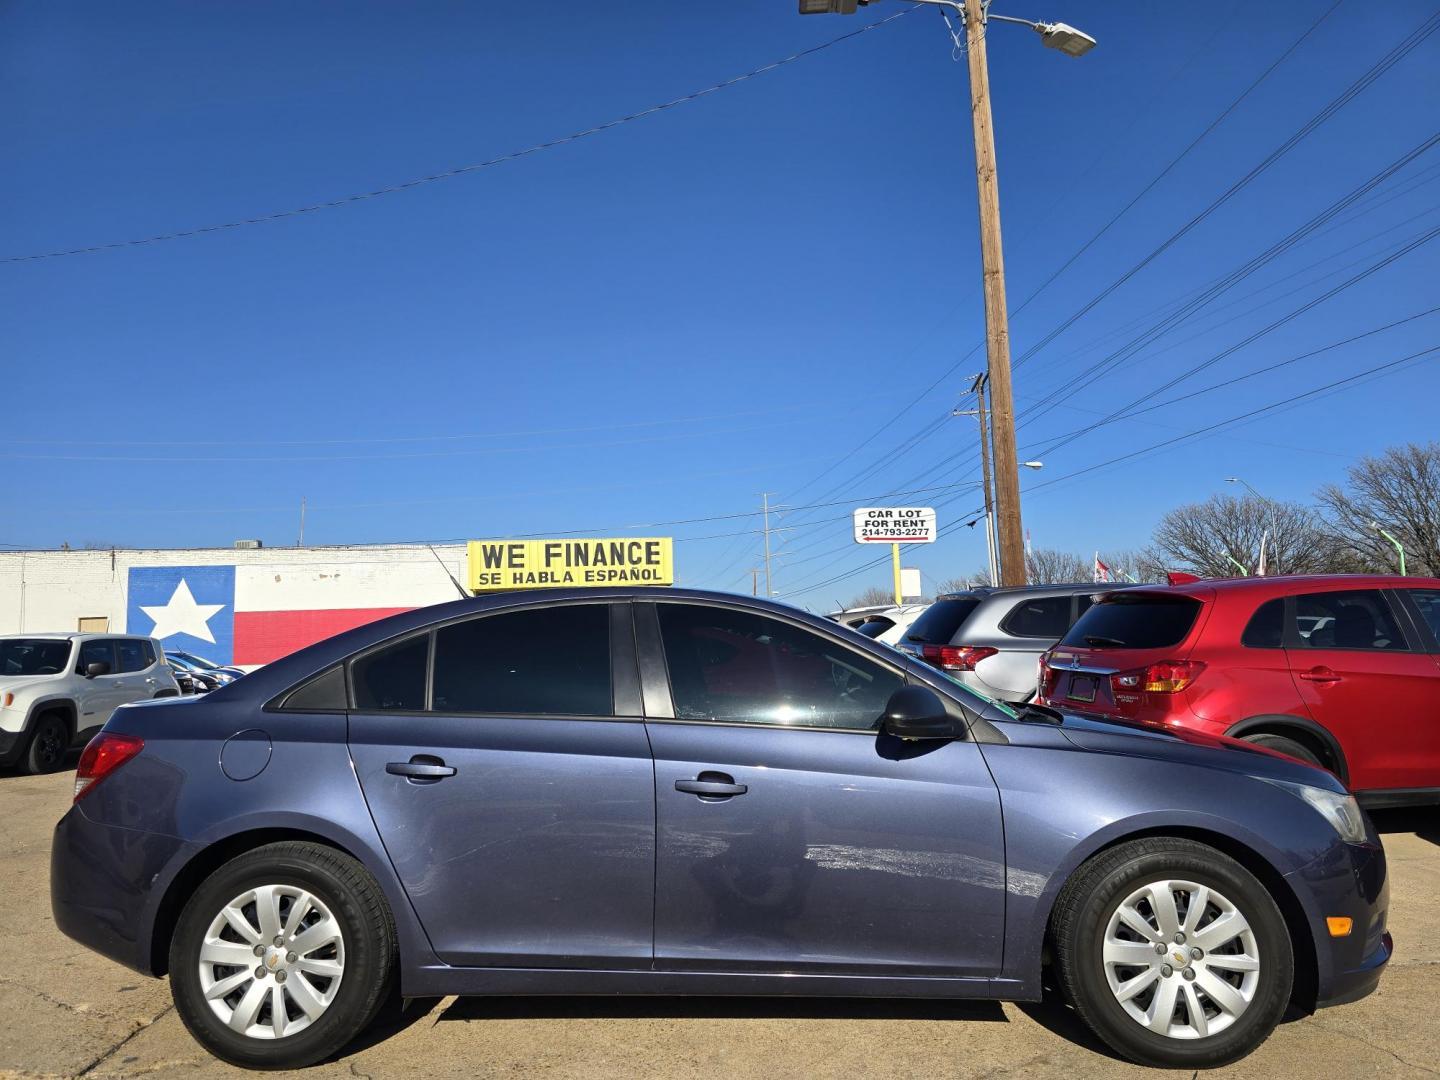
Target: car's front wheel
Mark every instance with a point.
(282, 956)
(48, 744)
(1173, 953)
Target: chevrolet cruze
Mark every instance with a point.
(677, 792)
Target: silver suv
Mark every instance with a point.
(991, 639)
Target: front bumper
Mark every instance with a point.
(107, 884)
(1349, 880)
(12, 743)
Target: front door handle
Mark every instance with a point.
(421, 769)
(1320, 675)
(712, 785)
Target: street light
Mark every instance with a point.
(1071, 42)
(1398, 546)
(1270, 513)
(1033, 464)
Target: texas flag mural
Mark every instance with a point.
(253, 614)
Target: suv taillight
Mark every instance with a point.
(1047, 677)
(1162, 677)
(956, 657)
(102, 755)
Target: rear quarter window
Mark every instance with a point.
(938, 623)
(1135, 621)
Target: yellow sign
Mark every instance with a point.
(548, 564)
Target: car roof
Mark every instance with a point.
(64, 635)
(1286, 584)
(984, 591)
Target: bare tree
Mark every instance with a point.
(1127, 564)
(1400, 492)
(872, 597)
(961, 584)
(1221, 537)
(1048, 566)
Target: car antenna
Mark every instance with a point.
(458, 587)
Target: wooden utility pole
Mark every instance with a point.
(997, 329)
(765, 510)
(985, 479)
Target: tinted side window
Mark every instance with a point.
(130, 654)
(746, 668)
(392, 678)
(1135, 621)
(1266, 628)
(95, 652)
(1428, 601)
(149, 648)
(1346, 620)
(324, 691)
(1042, 617)
(548, 661)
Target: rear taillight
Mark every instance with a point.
(956, 657)
(1162, 677)
(104, 754)
(1047, 678)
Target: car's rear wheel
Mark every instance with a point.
(1282, 744)
(48, 744)
(1173, 953)
(282, 956)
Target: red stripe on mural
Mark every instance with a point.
(263, 636)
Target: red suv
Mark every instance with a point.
(1340, 671)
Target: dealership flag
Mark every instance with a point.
(256, 614)
(1102, 572)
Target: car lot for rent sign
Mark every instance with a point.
(495, 565)
(895, 525)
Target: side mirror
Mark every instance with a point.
(916, 712)
(97, 667)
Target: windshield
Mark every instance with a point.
(938, 623)
(33, 656)
(979, 700)
(191, 658)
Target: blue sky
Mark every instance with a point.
(662, 321)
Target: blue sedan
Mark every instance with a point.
(679, 792)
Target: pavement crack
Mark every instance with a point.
(1374, 1046)
(109, 1053)
(357, 1073)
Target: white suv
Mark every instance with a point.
(56, 690)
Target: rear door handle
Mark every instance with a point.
(1320, 674)
(421, 769)
(714, 785)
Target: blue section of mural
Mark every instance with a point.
(189, 608)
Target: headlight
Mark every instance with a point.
(1341, 811)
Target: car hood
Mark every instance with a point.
(1181, 745)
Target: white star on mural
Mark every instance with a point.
(182, 615)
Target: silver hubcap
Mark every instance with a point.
(1181, 959)
(272, 961)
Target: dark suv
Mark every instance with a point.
(991, 639)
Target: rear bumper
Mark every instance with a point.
(107, 883)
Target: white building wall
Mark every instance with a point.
(44, 591)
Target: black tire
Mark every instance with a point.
(1284, 745)
(1083, 913)
(349, 892)
(49, 742)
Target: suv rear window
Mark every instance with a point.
(1135, 621)
(939, 622)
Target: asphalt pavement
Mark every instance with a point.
(66, 1012)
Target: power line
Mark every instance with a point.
(462, 170)
(1169, 167)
